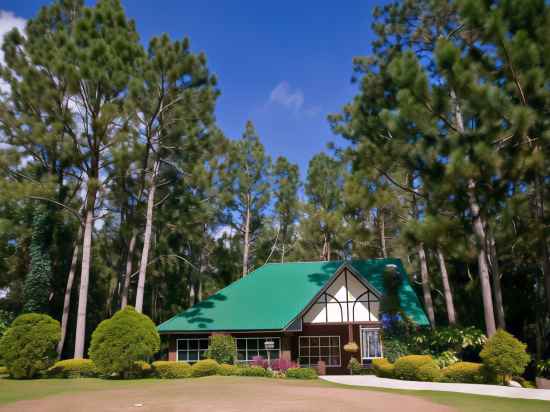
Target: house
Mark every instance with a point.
(309, 310)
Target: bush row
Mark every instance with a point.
(79, 368)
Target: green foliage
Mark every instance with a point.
(446, 358)
(257, 371)
(29, 345)
(222, 349)
(504, 355)
(3, 370)
(301, 373)
(171, 369)
(73, 368)
(139, 370)
(543, 368)
(38, 281)
(383, 368)
(395, 348)
(229, 370)
(390, 301)
(442, 339)
(464, 372)
(428, 372)
(5, 320)
(119, 342)
(205, 367)
(355, 366)
(415, 367)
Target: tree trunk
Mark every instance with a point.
(246, 248)
(68, 292)
(449, 304)
(428, 303)
(496, 276)
(545, 253)
(147, 237)
(479, 231)
(128, 273)
(283, 253)
(80, 338)
(383, 234)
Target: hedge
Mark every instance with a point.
(257, 371)
(205, 367)
(413, 367)
(464, 372)
(73, 368)
(3, 370)
(383, 368)
(171, 369)
(504, 355)
(229, 370)
(222, 349)
(301, 373)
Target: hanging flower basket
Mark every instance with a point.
(351, 347)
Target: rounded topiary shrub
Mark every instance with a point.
(73, 368)
(408, 367)
(464, 372)
(205, 367)
(119, 342)
(29, 345)
(171, 369)
(301, 373)
(382, 368)
(504, 355)
(429, 372)
(222, 349)
(229, 370)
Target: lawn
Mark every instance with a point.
(238, 392)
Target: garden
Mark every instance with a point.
(123, 347)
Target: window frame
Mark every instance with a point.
(257, 338)
(199, 350)
(362, 340)
(310, 364)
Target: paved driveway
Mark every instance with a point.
(491, 390)
(228, 394)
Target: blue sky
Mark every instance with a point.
(285, 65)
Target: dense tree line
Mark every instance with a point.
(117, 187)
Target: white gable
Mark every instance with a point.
(346, 299)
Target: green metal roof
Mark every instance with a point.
(270, 297)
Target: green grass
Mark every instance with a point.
(464, 402)
(16, 390)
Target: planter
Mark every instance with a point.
(351, 347)
(543, 383)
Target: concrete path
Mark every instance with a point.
(489, 390)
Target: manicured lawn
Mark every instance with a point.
(240, 393)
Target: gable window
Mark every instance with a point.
(312, 349)
(191, 349)
(248, 348)
(371, 344)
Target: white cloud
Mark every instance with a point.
(8, 21)
(284, 95)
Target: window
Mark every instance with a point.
(371, 345)
(315, 348)
(192, 349)
(247, 348)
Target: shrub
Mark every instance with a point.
(464, 372)
(140, 369)
(229, 370)
(355, 366)
(222, 349)
(301, 373)
(543, 368)
(282, 365)
(395, 348)
(259, 361)
(205, 367)
(446, 358)
(428, 372)
(73, 368)
(382, 368)
(29, 345)
(171, 369)
(408, 367)
(504, 355)
(3, 370)
(118, 342)
(257, 371)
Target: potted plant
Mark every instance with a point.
(543, 374)
(351, 347)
